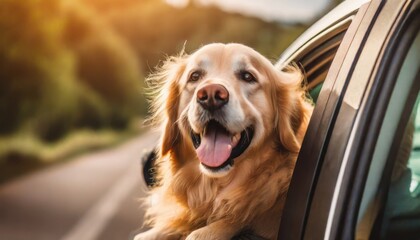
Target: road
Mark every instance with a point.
(95, 196)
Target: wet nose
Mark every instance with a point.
(212, 96)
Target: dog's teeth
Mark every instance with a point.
(235, 139)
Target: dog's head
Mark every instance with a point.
(225, 100)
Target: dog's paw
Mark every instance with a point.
(148, 235)
(206, 234)
(197, 234)
(152, 234)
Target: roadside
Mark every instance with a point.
(24, 153)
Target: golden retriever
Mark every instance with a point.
(232, 126)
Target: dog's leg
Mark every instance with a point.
(154, 234)
(219, 230)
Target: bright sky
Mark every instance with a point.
(270, 10)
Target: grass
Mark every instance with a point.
(23, 153)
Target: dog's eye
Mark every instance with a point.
(247, 76)
(195, 76)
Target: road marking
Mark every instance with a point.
(95, 220)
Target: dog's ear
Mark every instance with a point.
(171, 132)
(165, 100)
(291, 107)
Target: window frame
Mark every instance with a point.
(316, 139)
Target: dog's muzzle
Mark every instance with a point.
(217, 148)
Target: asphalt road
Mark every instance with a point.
(95, 196)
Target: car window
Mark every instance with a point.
(414, 162)
(315, 56)
(399, 216)
(317, 61)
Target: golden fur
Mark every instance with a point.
(189, 203)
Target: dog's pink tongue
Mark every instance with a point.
(215, 148)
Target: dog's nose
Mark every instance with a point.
(212, 96)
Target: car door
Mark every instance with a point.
(362, 110)
(328, 96)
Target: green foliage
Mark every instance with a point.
(106, 65)
(33, 63)
(50, 84)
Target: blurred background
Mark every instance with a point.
(72, 82)
(72, 71)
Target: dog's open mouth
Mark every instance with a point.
(216, 147)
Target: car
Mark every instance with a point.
(358, 171)
(359, 156)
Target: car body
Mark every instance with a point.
(363, 60)
(361, 63)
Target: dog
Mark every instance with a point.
(231, 128)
